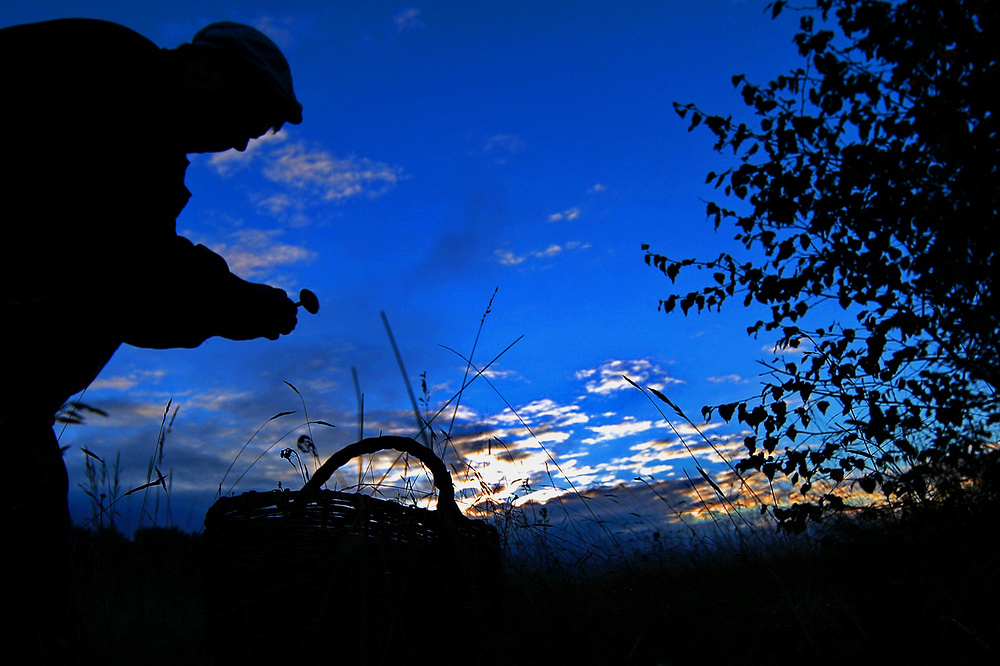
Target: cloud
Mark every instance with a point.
(656, 456)
(569, 215)
(509, 258)
(728, 379)
(326, 176)
(278, 203)
(255, 252)
(505, 143)
(721, 449)
(545, 411)
(218, 399)
(126, 407)
(805, 346)
(499, 373)
(281, 31)
(550, 251)
(610, 376)
(307, 175)
(502, 146)
(547, 437)
(643, 462)
(408, 19)
(598, 187)
(228, 162)
(614, 431)
(127, 382)
(672, 448)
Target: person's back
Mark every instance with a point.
(93, 182)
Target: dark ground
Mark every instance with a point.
(925, 591)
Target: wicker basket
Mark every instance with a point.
(317, 576)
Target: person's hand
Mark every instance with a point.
(260, 311)
(280, 313)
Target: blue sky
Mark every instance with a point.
(455, 155)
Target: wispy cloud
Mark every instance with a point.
(509, 258)
(408, 19)
(569, 215)
(613, 431)
(721, 449)
(228, 162)
(546, 411)
(127, 382)
(610, 376)
(804, 346)
(502, 373)
(255, 252)
(505, 143)
(307, 175)
(280, 30)
(728, 379)
(501, 147)
(218, 400)
(327, 176)
(691, 445)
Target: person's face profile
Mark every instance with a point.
(228, 104)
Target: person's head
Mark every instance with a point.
(236, 86)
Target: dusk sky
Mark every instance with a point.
(453, 155)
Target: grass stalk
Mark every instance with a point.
(361, 417)
(406, 380)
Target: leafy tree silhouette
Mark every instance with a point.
(870, 181)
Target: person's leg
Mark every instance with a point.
(38, 588)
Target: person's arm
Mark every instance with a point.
(192, 296)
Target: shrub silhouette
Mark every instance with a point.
(870, 183)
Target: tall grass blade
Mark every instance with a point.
(472, 354)
(406, 380)
(727, 503)
(701, 434)
(244, 448)
(547, 453)
(361, 417)
(157, 458)
(92, 455)
(361, 403)
(265, 452)
(305, 414)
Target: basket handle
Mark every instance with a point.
(442, 478)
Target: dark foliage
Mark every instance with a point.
(869, 181)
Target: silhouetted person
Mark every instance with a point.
(97, 122)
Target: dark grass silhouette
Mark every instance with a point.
(922, 589)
